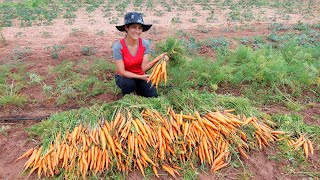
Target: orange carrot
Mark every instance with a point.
(166, 134)
(220, 167)
(26, 154)
(169, 170)
(111, 144)
(75, 134)
(310, 146)
(306, 150)
(103, 140)
(154, 168)
(241, 151)
(140, 167)
(218, 159)
(146, 157)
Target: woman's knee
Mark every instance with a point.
(127, 85)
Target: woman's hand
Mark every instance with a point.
(145, 77)
(163, 55)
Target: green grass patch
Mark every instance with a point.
(82, 80)
(13, 79)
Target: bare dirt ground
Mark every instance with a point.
(83, 32)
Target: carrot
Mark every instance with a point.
(146, 157)
(44, 166)
(154, 168)
(241, 151)
(164, 64)
(107, 160)
(208, 123)
(136, 147)
(92, 161)
(154, 73)
(186, 129)
(299, 144)
(135, 126)
(259, 141)
(157, 78)
(40, 169)
(278, 132)
(75, 134)
(140, 167)
(141, 127)
(264, 141)
(57, 139)
(26, 154)
(166, 134)
(218, 159)
(298, 140)
(169, 170)
(37, 156)
(206, 150)
(99, 161)
(50, 166)
(116, 120)
(122, 124)
(84, 142)
(103, 140)
(310, 146)
(220, 167)
(306, 150)
(196, 125)
(248, 120)
(111, 144)
(32, 170)
(201, 153)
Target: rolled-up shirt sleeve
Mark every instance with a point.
(117, 55)
(146, 44)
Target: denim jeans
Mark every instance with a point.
(141, 87)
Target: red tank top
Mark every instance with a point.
(133, 63)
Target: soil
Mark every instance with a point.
(14, 140)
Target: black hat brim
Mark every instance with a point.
(145, 27)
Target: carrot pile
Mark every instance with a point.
(152, 140)
(302, 141)
(159, 72)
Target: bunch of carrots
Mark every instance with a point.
(302, 141)
(151, 140)
(159, 72)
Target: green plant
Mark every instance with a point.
(46, 34)
(114, 20)
(34, 78)
(75, 32)
(2, 38)
(193, 20)
(158, 13)
(55, 50)
(88, 50)
(100, 32)
(3, 129)
(175, 20)
(217, 43)
(174, 48)
(21, 53)
(19, 34)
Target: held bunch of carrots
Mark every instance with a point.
(152, 139)
(159, 72)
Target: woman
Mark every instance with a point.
(131, 56)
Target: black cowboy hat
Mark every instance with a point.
(134, 17)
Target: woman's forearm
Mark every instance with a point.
(129, 74)
(148, 66)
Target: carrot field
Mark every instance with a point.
(239, 91)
